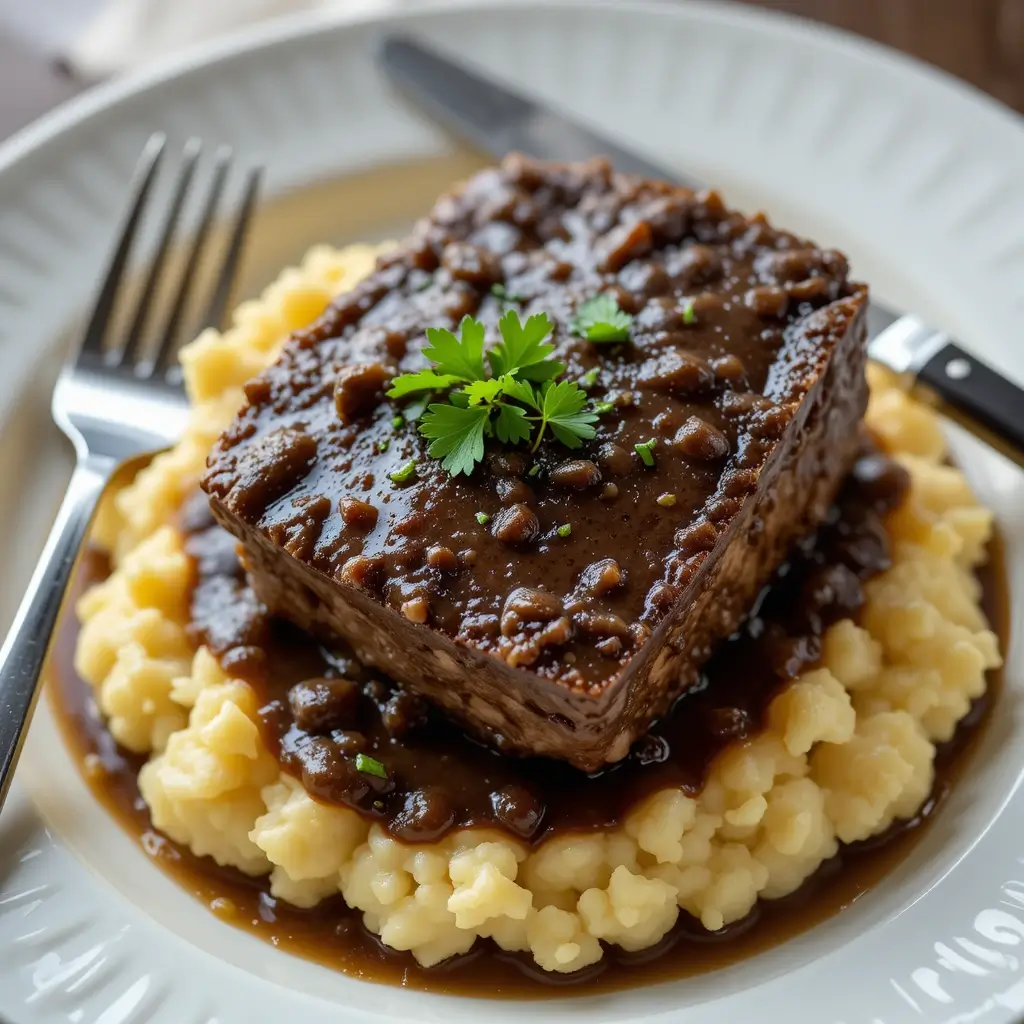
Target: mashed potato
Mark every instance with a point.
(848, 749)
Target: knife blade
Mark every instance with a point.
(497, 120)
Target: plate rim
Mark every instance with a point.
(291, 27)
(304, 25)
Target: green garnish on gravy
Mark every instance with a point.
(646, 451)
(600, 320)
(509, 391)
(500, 292)
(370, 766)
(404, 473)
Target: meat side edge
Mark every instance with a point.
(517, 710)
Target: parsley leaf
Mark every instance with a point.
(424, 380)
(512, 426)
(521, 390)
(600, 320)
(456, 434)
(413, 410)
(563, 410)
(483, 392)
(461, 357)
(517, 401)
(522, 350)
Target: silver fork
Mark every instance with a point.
(114, 403)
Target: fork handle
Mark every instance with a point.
(27, 643)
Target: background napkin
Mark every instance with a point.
(127, 33)
(979, 40)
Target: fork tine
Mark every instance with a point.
(145, 173)
(167, 344)
(136, 333)
(221, 298)
(233, 257)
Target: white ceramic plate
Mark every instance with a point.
(920, 179)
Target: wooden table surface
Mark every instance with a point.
(981, 41)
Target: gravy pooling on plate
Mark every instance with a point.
(843, 751)
(333, 935)
(321, 709)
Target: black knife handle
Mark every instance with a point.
(487, 114)
(977, 393)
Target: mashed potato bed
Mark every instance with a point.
(848, 748)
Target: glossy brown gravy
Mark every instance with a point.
(322, 710)
(547, 601)
(333, 935)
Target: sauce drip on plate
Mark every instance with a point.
(729, 705)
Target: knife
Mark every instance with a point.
(497, 121)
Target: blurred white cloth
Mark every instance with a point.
(128, 33)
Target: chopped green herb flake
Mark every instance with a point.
(600, 320)
(483, 518)
(370, 766)
(666, 500)
(589, 379)
(534, 470)
(502, 294)
(398, 422)
(425, 283)
(603, 408)
(646, 451)
(564, 530)
(378, 805)
(384, 445)
(404, 473)
(689, 314)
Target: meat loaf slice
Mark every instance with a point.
(555, 601)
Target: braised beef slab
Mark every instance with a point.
(555, 602)
(319, 708)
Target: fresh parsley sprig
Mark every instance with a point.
(600, 320)
(509, 392)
